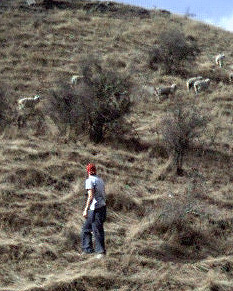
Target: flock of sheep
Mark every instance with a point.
(198, 83)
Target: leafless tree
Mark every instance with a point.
(172, 52)
(100, 98)
(179, 128)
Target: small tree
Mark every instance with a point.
(178, 129)
(172, 52)
(110, 97)
(100, 98)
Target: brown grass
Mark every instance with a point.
(163, 232)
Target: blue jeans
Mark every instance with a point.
(94, 223)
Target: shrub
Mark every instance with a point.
(172, 52)
(100, 99)
(179, 128)
(66, 110)
(110, 100)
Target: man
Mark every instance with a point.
(94, 213)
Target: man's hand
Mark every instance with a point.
(85, 213)
(89, 200)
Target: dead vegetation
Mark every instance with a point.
(163, 231)
(173, 52)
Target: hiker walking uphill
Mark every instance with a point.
(94, 213)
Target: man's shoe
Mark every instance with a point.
(100, 256)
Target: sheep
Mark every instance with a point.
(31, 2)
(201, 85)
(166, 91)
(190, 82)
(231, 76)
(219, 60)
(26, 108)
(28, 103)
(74, 79)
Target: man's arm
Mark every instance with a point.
(90, 197)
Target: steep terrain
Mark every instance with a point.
(169, 233)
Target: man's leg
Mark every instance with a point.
(98, 229)
(87, 245)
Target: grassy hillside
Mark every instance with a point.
(163, 232)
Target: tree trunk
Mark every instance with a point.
(179, 163)
(96, 132)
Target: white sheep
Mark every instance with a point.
(166, 91)
(74, 79)
(31, 2)
(201, 85)
(26, 108)
(28, 103)
(190, 82)
(219, 60)
(231, 76)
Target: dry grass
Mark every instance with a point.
(163, 232)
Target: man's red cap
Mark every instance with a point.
(91, 169)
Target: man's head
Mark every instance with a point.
(91, 169)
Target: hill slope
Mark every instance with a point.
(162, 234)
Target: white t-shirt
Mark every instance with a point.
(96, 183)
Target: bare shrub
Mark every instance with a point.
(179, 128)
(98, 101)
(110, 97)
(173, 52)
(66, 110)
